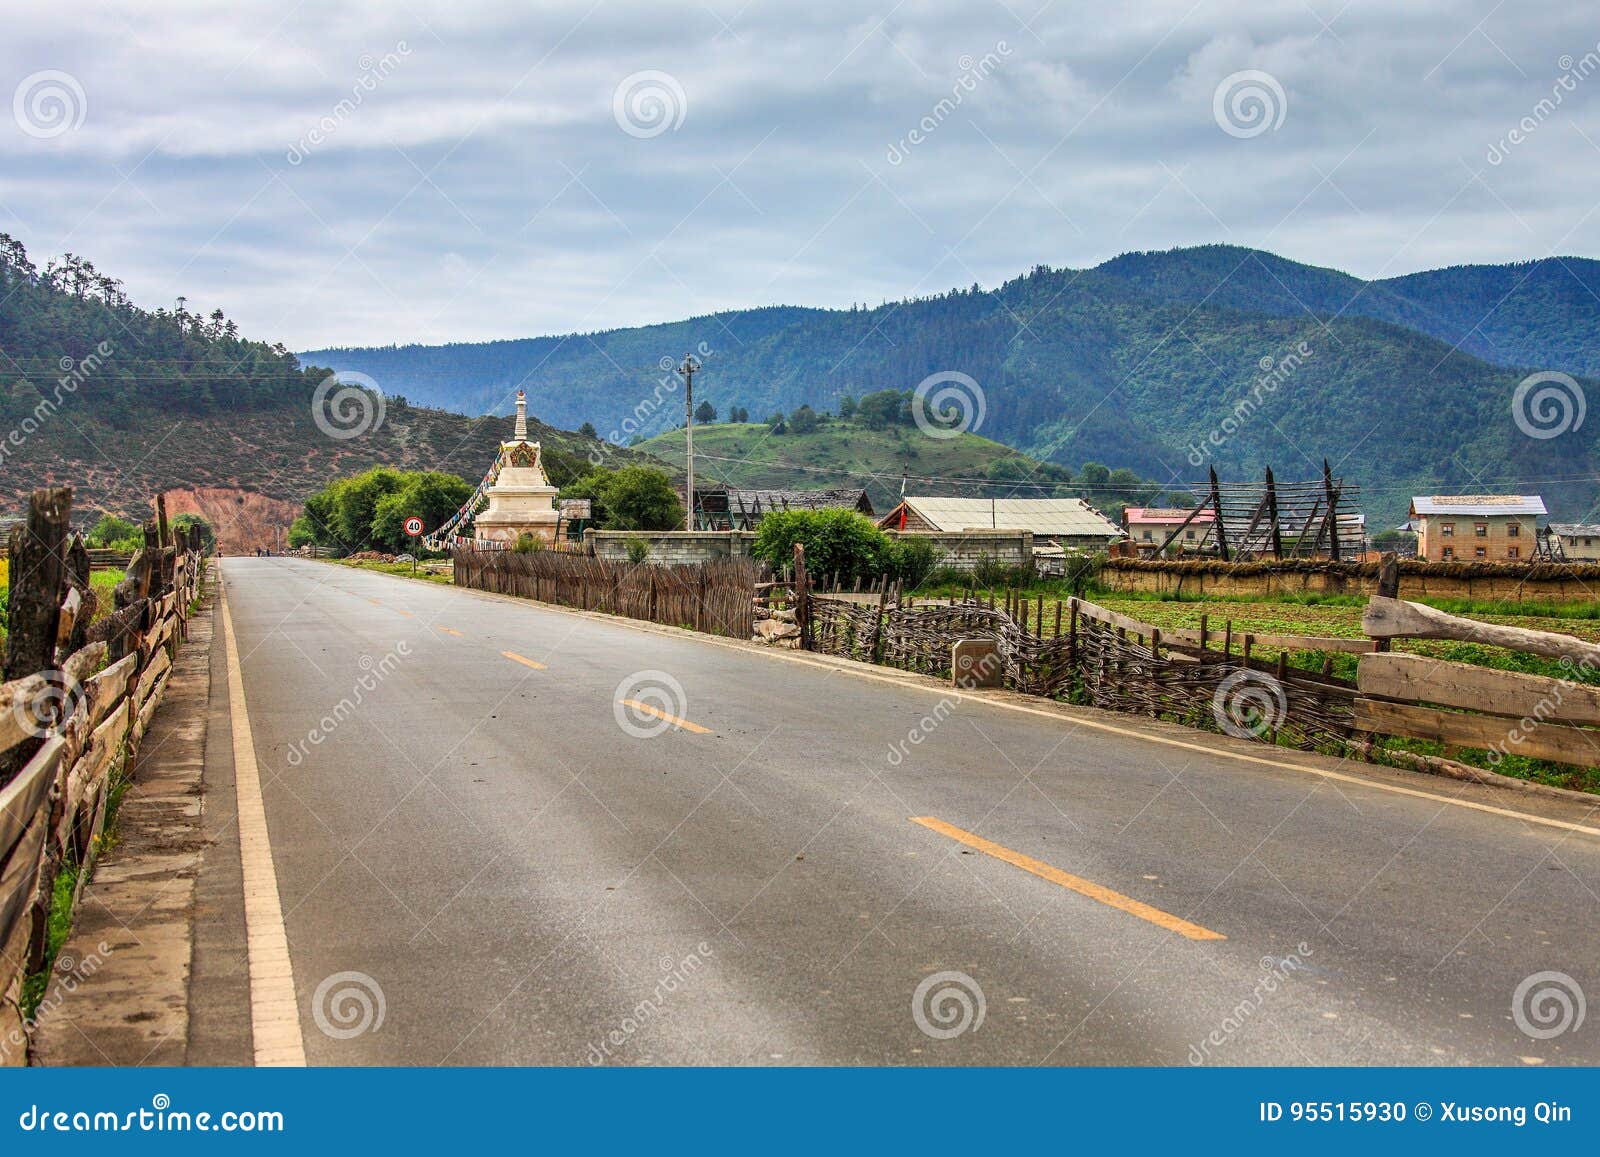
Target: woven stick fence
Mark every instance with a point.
(1098, 657)
(716, 597)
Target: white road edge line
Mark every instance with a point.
(274, 1012)
(855, 669)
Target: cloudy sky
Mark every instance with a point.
(374, 171)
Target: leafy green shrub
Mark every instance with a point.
(638, 550)
(839, 541)
(989, 571)
(528, 543)
(913, 560)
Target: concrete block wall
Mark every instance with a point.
(672, 547)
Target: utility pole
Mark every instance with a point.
(687, 371)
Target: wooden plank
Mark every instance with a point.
(1396, 619)
(1553, 741)
(149, 677)
(19, 874)
(1419, 679)
(26, 794)
(106, 688)
(1111, 618)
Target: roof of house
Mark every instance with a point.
(1576, 529)
(766, 501)
(1164, 514)
(1067, 517)
(1478, 504)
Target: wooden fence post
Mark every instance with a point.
(1388, 588)
(802, 597)
(38, 568)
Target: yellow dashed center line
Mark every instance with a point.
(449, 631)
(1075, 883)
(672, 719)
(526, 662)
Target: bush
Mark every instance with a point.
(839, 541)
(990, 572)
(638, 550)
(528, 543)
(913, 560)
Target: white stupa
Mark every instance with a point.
(521, 501)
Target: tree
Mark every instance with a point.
(588, 430)
(641, 498)
(884, 409)
(835, 540)
(1094, 475)
(847, 407)
(208, 537)
(804, 420)
(705, 413)
(776, 423)
(113, 533)
(430, 496)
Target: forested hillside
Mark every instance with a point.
(1164, 363)
(123, 402)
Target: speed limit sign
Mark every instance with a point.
(413, 526)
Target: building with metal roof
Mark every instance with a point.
(730, 508)
(1068, 521)
(1477, 527)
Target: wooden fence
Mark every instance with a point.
(78, 701)
(716, 597)
(1099, 657)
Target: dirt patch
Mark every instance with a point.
(243, 520)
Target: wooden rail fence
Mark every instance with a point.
(78, 700)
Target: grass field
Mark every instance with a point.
(403, 569)
(103, 583)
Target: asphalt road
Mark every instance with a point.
(529, 872)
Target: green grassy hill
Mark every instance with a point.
(839, 453)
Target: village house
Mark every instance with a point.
(1580, 541)
(730, 508)
(1149, 527)
(1476, 527)
(1070, 523)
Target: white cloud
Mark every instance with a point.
(483, 189)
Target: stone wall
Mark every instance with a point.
(963, 549)
(671, 547)
(1544, 583)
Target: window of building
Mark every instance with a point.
(1447, 529)
(1513, 529)
(1148, 536)
(1480, 552)
(1511, 552)
(1480, 529)
(1189, 534)
(1449, 553)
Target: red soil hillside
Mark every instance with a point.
(242, 519)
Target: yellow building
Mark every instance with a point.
(1476, 527)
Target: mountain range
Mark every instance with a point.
(1167, 363)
